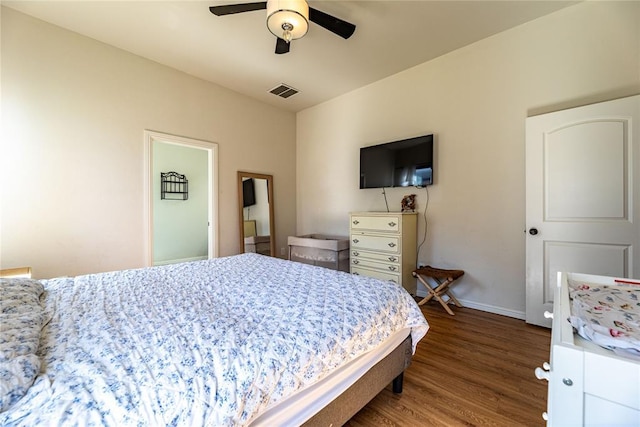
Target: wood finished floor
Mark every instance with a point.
(471, 369)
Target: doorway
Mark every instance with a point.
(181, 222)
(583, 197)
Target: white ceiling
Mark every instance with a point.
(237, 51)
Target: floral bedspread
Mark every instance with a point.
(213, 342)
(608, 315)
(21, 320)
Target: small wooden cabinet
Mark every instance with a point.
(383, 245)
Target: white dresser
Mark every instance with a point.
(588, 385)
(383, 245)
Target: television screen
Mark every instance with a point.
(248, 193)
(404, 163)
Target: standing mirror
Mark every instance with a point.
(255, 208)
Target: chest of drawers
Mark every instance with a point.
(383, 245)
(588, 384)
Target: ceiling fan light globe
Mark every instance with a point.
(286, 36)
(285, 14)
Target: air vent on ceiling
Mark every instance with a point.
(284, 91)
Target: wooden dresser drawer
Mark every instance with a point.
(389, 244)
(386, 223)
(369, 263)
(376, 274)
(377, 256)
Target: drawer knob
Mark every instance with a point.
(356, 253)
(355, 261)
(355, 240)
(392, 258)
(541, 374)
(356, 222)
(392, 224)
(392, 245)
(392, 268)
(567, 382)
(548, 315)
(545, 416)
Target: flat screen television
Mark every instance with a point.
(248, 193)
(404, 163)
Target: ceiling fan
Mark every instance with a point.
(289, 19)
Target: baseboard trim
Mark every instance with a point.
(484, 307)
(493, 309)
(176, 261)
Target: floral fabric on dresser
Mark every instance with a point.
(207, 343)
(608, 315)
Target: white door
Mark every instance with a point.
(583, 197)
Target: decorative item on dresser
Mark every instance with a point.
(409, 203)
(588, 383)
(383, 245)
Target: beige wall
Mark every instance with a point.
(475, 100)
(71, 164)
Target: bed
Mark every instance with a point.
(240, 340)
(594, 369)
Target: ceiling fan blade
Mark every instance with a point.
(282, 46)
(337, 26)
(230, 9)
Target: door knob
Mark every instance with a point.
(533, 231)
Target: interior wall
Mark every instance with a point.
(74, 112)
(180, 227)
(475, 100)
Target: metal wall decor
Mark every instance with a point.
(173, 186)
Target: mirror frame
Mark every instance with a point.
(272, 228)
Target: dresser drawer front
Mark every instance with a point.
(385, 223)
(379, 257)
(376, 274)
(389, 244)
(377, 265)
